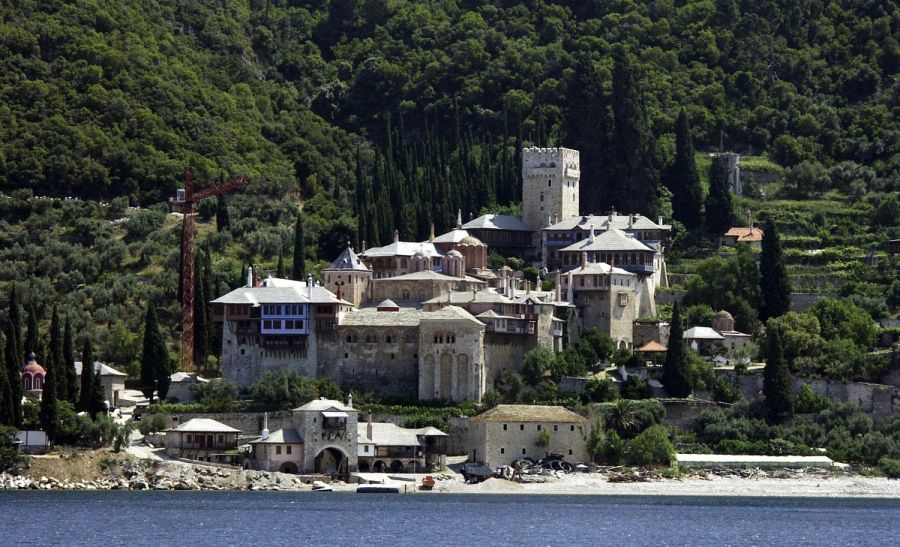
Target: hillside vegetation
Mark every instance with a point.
(376, 114)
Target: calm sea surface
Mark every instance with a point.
(251, 518)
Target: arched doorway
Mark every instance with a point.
(363, 467)
(396, 466)
(288, 467)
(331, 461)
(379, 467)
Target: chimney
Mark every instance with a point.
(558, 289)
(459, 218)
(309, 285)
(396, 235)
(630, 220)
(350, 400)
(264, 434)
(255, 279)
(528, 286)
(592, 233)
(583, 260)
(369, 426)
(250, 276)
(363, 246)
(659, 220)
(431, 235)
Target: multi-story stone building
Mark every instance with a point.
(550, 179)
(604, 297)
(507, 433)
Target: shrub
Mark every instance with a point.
(890, 467)
(652, 447)
(809, 402)
(10, 458)
(153, 423)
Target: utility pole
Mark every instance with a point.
(184, 201)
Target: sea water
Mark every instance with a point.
(309, 518)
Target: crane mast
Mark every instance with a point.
(185, 200)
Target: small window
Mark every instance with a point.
(521, 427)
(189, 439)
(346, 356)
(502, 450)
(571, 428)
(278, 450)
(555, 428)
(570, 451)
(366, 448)
(504, 427)
(523, 451)
(539, 427)
(289, 449)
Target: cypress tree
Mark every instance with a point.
(154, 355)
(15, 357)
(298, 267)
(48, 396)
(634, 155)
(773, 279)
(719, 210)
(586, 124)
(279, 269)
(7, 412)
(55, 357)
(85, 394)
(31, 332)
(68, 350)
(684, 181)
(97, 401)
(222, 220)
(777, 382)
(201, 310)
(675, 376)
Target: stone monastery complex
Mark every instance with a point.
(430, 319)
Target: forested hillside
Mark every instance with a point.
(376, 114)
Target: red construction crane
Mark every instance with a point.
(185, 200)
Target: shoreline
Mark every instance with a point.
(779, 483)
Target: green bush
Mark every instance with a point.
(890, 467)
(652, 447)
(809, 402)
(10, 457)
(153, 423)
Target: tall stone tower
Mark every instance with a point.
(550, 178)
(348, 277)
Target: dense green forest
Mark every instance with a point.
(372, 115)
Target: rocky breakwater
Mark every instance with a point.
(166, 476)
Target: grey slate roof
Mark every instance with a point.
(498, 222)
(281, 436)
(402, 248)
(204, 425)
(99, 368)
(468, 297)
(426, 275)
(322, 404)
(450, 313)
(594, 268)
(280, 291)
(370, 317)
(602, 223)
(347, 260)
(610, 240)
(453, 236)
(702, 333)
(388, 434)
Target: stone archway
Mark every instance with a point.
(396, 466)
(331, 461)
(288, 467)
(379, 467)
(363, 467)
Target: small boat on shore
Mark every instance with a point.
(319, 486)
(427, 483)
(378, 489)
